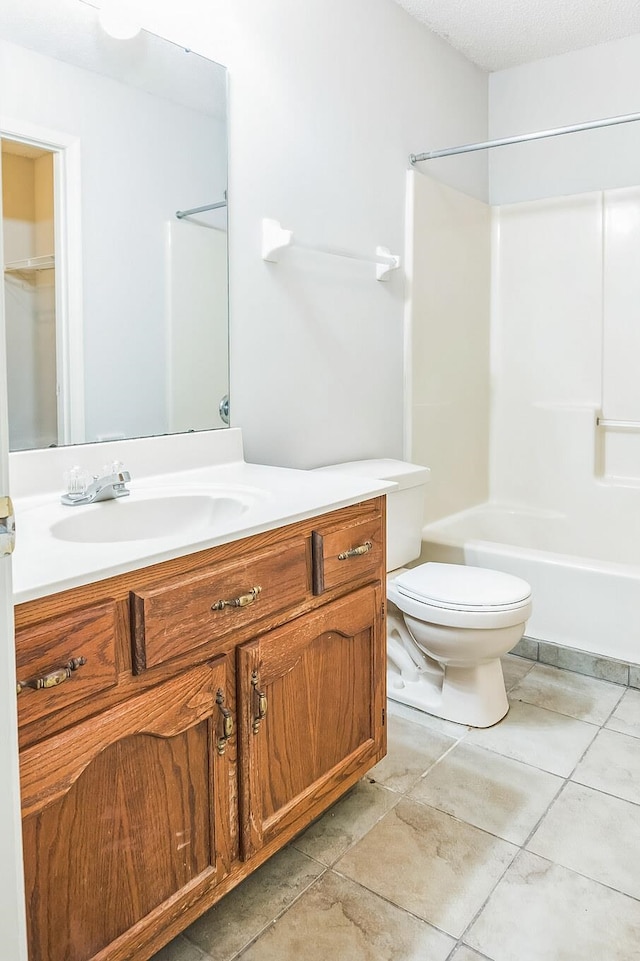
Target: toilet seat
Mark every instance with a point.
(459, 596)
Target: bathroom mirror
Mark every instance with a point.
(115, 282)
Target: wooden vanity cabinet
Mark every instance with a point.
(154, 790)
(311, 703)
(122, 814)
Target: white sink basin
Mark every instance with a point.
(141, 517)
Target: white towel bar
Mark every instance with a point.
(276, 239)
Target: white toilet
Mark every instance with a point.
(448, 625)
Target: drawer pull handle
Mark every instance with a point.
(54, 678)
(262, 703)
(227, 724)
(243, 601)
(356, 551)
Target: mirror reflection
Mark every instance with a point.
(114, 230)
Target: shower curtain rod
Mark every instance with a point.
(199, 210)
(523, 138)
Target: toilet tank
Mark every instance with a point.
(405, 504)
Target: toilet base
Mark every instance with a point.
(473, 694)
(467, 695)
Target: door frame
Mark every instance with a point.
(68, 265)
(13, 927)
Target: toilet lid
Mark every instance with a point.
(463, 588)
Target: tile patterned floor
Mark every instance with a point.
(516, 843)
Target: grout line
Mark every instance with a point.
(488, 897)
(587, 877)
(458, 944)
(204, 956)
(284, 910)
(388, 900)
(543, 816)
(397, 798)
(435, 763)
(552, 710)
(615, 708)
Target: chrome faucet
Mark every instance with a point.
(108, 486)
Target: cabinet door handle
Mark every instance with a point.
(261, 703)
(227, 724)
(356, 551)
(242, 601)
(54, 678)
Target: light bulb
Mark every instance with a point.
(115, 19)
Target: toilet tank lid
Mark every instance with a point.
(400, 472)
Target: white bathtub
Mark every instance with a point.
(585, 580)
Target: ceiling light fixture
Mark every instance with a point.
(116, 19)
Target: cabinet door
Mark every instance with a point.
(311, 713)
(123, 814)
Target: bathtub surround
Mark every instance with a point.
(563, 509)
(449, 256)
(565, 340)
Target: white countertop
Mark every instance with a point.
(45, 564)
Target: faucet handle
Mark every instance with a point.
(77, 480)
(115, 467)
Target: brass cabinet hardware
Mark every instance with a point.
(356, 551)
(54, 678)
(243, 601)
(227, 724)
(262, 703)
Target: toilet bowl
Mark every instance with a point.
(448, 625)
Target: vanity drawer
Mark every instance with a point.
(175, 617)
(49, 659)
(348, 554)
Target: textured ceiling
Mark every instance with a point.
(504, 33)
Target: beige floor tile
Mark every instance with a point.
(430, 721)
(180, 950)
(577, 833)
(346, 822)
(428, 863)
(411, 750)
(492, 792)
(543, 912)
(545, 739)
(336, 918)
(626, 717)
(586, 698)
(240, 916)
(612, 764)
(514, 668)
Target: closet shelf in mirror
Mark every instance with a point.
(45, 262)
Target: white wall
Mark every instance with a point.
(327, 98)
(601, 81)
